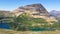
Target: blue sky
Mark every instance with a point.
(13, 4)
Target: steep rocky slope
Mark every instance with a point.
(38, 9)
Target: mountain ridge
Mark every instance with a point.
(56, 14)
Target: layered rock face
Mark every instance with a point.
(35, 10)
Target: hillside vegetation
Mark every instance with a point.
(25, 22)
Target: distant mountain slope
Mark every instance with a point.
(5, 13)
(55, 14)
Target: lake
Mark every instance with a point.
(4, 25)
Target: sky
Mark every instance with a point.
(13, 4)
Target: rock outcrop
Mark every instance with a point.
(36, 8)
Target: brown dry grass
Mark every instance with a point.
(4, 31)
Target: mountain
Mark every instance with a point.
(55, 13)
(32, 8)
(36, 11)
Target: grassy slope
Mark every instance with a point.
(4, 31)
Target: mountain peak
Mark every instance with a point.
(34, 5)
(33, 8)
